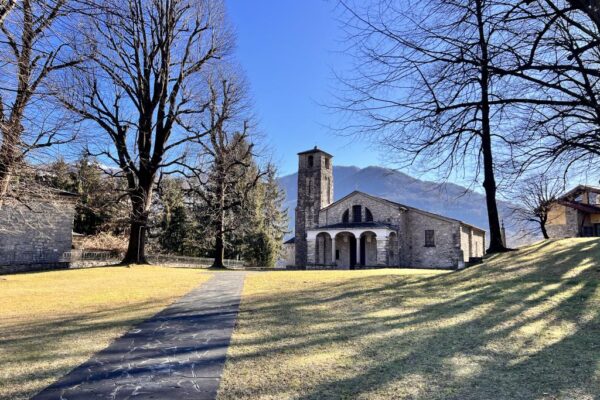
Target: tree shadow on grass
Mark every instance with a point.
(36, 349)
(520, 326)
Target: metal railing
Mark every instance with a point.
(85, 258)
(86, 255)
(190, 262)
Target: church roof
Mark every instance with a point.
(403, 207)
(381, 199)
(315, 150)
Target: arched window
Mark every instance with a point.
(311, 161)
(357, 213)
(368, 215)
(346, 217)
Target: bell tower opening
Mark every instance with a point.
(315, 191)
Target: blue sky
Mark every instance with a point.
(289, 50)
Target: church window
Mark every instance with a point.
(357, 213)
(311, 161)
(346, 217)
(327, 163)
(368, 215)
(429, 238)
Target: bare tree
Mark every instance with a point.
(142, 88)
(557, 61)
(32, 50)
(227, 173)
(535, 197)
(424, 86)
(6, 6)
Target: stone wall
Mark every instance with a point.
(35, 236)
(563, 222)
(446, 253)
(478, 243)
(472, 243)
(382, 210)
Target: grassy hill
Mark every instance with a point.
(523, 325)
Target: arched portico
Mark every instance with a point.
(349, 248)
(368, 248)
(323, 249)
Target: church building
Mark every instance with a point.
(360, 230)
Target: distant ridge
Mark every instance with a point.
(448, 199)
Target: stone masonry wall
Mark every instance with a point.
(35, 234)
(382, 210)
(478, 243)
(315, 191)
(465, 242)
(565, 227)
(445, 254)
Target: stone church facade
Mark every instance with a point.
(361, 230)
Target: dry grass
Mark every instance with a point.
(53, 321)
(524, 325)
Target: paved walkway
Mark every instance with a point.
(177, 354)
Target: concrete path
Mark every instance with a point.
(177, 354)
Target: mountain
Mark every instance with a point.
(447, 199)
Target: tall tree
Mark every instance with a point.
(534, 198)
(141, 88)
(227, 172)
(424, 86)
(32, 51)
(266, 223)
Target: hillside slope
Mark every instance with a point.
(524, 325)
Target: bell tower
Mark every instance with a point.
(315, 191)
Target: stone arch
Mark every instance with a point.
(368, 215)
(323, 249)
(345, 249)
(368, 248)
(346, 217)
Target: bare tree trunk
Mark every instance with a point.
(136, 251)
(8, 158)
(543, 229)
(489, 181)
(140, 202)
(220, 237)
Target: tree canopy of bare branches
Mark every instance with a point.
(424, 86)
(33, 49)
(557, 64)
(534, 197)
(142, 87)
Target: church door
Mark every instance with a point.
(352, 252)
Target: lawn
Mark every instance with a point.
(524, 325)
(51, 322)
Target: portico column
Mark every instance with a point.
(357, 249)
(382, 250)
(311, 249)
(333, 261)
